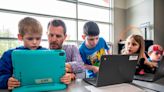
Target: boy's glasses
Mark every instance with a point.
(158, 52)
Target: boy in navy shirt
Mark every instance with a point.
(30, 32)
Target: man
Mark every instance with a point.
(56, 36)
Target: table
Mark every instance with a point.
(80, 86)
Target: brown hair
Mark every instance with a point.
(139, 39)
(29, 25)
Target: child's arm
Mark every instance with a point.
(3, 80)
(150, 64)
(6, 69)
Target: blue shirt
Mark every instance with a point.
(91, 56)
(6, 68)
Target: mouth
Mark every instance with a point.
(129, 51)
(54, 46)
(34, 47)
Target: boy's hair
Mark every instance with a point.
(139, 39)
(91, 29)
(155, 47)
(29, 25)
(56, 23)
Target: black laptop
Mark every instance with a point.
(114, 69)
(150, 76)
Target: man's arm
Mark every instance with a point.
(74, 62)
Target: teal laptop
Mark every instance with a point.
(38, 70)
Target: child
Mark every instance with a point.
(135, 45)
(155, 55)
(92, 48)
(30, 32)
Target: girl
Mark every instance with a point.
(135, 45)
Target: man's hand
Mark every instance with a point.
(12, 83)
(68, 68)
(66, 79)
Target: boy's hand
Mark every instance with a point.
(95, 69)
(12, 83)
(154, 64)
(151, 64)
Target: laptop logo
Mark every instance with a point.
(45, 80)
(105, 58)
(133, 57)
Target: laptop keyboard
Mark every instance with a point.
(146, 77)
(90, 80)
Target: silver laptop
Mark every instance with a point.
(152, 77)
(114, 69)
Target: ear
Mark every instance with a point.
(83, 36)
(65, 36)
(20, 37)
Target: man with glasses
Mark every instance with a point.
(92, 48)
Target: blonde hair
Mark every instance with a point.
(139, 39)
(29, 25)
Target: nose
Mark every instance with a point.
(129, 45)
(94, 41)
(34, 41)
(53, 38)
(159, 55)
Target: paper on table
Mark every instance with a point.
(124, 87)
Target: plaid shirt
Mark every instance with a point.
(74, 58)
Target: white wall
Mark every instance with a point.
(141, 12)
(132, 13)
(120, 4)
(119, 21)
(131, 3)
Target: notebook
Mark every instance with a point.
(38, 70)
(152, 77)
(114, 69)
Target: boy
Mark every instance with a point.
(155, 55)
(30, 32)
(92, 48)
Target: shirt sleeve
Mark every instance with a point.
(76, 62)
(5, 70)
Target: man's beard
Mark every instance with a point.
(54, 45)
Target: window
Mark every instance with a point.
(73, 12)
